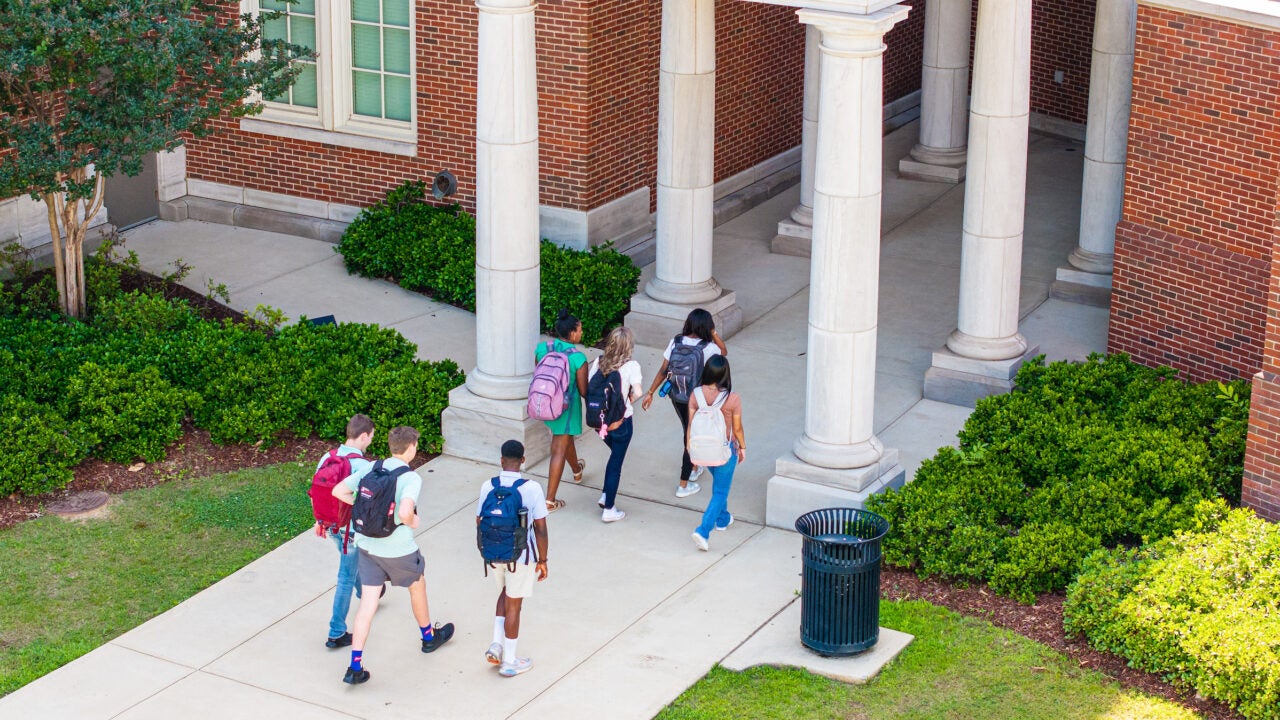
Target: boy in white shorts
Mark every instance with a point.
(516, 585)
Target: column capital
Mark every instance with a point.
(853, 35)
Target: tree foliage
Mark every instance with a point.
(90, 87)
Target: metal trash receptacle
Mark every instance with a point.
(840, 592)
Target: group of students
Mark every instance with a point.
(694, 375)
(368, 508)
(376, 547)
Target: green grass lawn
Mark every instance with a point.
(74, 585)
(956, 667)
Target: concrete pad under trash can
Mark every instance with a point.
(778, 644)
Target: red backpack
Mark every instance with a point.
(329, 511)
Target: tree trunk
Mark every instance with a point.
(68, 229)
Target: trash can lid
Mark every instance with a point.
(832, 525)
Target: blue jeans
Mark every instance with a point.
(721, 480)
(618, 440)
(348, 580)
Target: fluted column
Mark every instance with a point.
(944, 94)
(839, 460)
(490, 408)
(686, 181)
(1107, 134)
(995, 191)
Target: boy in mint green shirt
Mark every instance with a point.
(395, 558)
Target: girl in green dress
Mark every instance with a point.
(568, 332)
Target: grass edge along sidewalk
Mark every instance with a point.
(74, 585)
(957, 667)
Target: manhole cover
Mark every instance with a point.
(80, 502)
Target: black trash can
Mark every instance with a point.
(840, 593)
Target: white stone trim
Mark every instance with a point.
(171, 174)
(757, 172)
(580, 229)
(1254, 13)
(271, 201)
(1057, 126)
(279, 128)
(27, 221)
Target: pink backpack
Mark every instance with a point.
(548, 393)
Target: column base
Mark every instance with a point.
(1084, 288)
(798, 487)
(793, 238)
(930, 165)
(655, 322)
(475, 427)
(958, 380)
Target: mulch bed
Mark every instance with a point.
(1041, 622)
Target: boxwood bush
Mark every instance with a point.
(432, 249)
(121, 384)
(1201, 607)
(1080, 456)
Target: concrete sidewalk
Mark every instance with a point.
(632, 614)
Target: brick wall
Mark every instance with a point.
(1195, 283)
(1193, 250)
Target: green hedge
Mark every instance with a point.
(1201, 607)
(433, 249)
(120, 385)
(1079, 457)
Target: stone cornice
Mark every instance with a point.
(1254, 13)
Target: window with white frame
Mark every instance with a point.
(361, 79)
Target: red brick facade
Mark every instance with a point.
(1195, 247)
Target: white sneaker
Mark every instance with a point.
(700, 541)
(612, 514)
(494, 654)
(601, 501)
(728, 525)
(512, 669)
(697, 472)
(691, 489)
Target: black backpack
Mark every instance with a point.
(605, 403)
(374, 512)
(684, 368)
(503, 531)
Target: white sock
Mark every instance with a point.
(508, 650)
(499, 628)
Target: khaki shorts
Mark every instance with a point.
(401, 571)
(518, 584)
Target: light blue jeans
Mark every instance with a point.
(716, 515)
(348, 580)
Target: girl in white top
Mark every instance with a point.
(699, 329)
(617, 357)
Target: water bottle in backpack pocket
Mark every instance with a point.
(708, 432)
(374, 512)
(502, 535)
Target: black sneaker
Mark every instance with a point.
(355, 677)
(439, 636)
(341, 641)
(383, 592)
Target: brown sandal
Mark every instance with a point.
(577, 477)
(554, 505)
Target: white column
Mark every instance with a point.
(803, 213)
(845, 270)
(686, 153)
(1106, 139)
(995, 191)
(506, 201)
(944, 94)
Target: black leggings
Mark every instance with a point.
(682, 409)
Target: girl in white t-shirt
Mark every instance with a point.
(617, 356)
(699, 329)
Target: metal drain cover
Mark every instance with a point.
(77, 503)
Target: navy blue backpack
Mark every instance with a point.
(503, 531)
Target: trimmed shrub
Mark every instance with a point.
(408, 395)
(128, 414)
(42, 448)
(1201, 607)
(433, 249)
(1079, 457)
